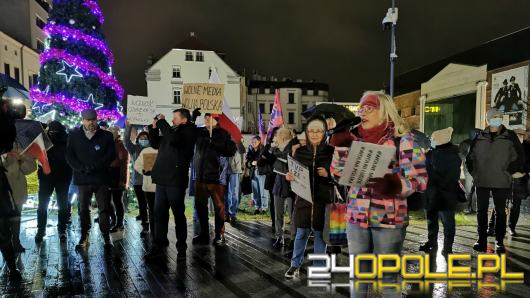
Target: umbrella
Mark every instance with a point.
(329, 110)
(13, 89)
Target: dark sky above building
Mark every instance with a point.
(339, 42)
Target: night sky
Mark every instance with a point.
(337, 42)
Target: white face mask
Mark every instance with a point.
(495, 122)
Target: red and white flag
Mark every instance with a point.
(226, 119)
(37, 149)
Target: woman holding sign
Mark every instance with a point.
(377, 211)
(316, 156)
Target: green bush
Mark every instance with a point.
(33, 183)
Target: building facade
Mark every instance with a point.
(295, 97)
(457, 91)
(191, 62)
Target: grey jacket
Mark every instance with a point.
(493, 158)
(235, 166)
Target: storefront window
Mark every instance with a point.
(457, 112)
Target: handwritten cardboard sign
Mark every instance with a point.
(208, 97)
(140, 110)
(300, 185)
(366, 161)
(149, 161)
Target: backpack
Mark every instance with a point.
(416, 200)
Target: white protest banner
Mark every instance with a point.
(166, 110)
(366, 161)
(208, 97)
(300, 185)
(140, 110)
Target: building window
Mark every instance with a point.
(39, 22)
(176, 71)
(17, 74)
(7, 69)
(304, 107)
(267, 91)
(272, 106)
(176, 96)
(40, 46)
(291, 98)
(189, 56)
(262, 107)
(310, 92)
(199, 56)
(291, 118)
(261, 90)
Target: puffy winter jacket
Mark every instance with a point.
(209, 162)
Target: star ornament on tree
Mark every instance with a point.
(91, 100)
(69, 71)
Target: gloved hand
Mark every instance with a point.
(196, 113)
(389, 185)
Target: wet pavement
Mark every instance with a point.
(247, 266)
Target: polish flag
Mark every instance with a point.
(37, 149)
(226, 119)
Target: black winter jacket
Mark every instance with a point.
(207, 161)
(60, 169)
(309, 215)
(90, 159)
(443, 168)
(175, 151)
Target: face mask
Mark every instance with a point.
(144, 143)
(495, 122)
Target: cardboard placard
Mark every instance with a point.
(149, 161)
(140, 110)
(301, 185)
(207, 97)
(365, 161)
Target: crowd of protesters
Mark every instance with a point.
(211, 165)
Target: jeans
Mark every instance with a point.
(232, 195)
(259, 195)
(377, 241)
(448, 220)
(46, 188)
(167, 197)
(142, 205)
(300, 243)
(102, 193)
(117, 207)
(203, 191)
(279, 206)
(500, 196)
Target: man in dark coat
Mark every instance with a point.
(90, 151)
(7, 204)
(171, 175)
(58, 180)
(443, 167)
(214, 145)
(495, 155)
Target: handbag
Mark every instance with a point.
(335, 221)
(246, 184)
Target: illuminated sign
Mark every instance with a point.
(433, 109)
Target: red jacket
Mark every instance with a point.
(120, 166)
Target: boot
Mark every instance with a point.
(481, 245)
(15, 230)
(83, 242)
(108, 241)
(11, 261)
(428, 247)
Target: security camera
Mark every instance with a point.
(390, 19)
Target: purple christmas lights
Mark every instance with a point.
(94, 9)
(84, 65)
(74, 104)
(78, 35)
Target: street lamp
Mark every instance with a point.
(390, 23)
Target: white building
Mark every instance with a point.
(295, 96)
(191, 62)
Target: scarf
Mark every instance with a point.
(376, 134)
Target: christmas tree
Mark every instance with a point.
(76, 66)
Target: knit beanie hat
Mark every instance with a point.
(492, 113)
(442, 136)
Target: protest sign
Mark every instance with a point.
(149, 161)
(207, 97)
(366, 161)
(300, 185)
(140, 110)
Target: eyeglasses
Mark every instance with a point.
(366, 109)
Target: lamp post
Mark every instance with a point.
(390, 23)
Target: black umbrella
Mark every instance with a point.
(342, 115)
